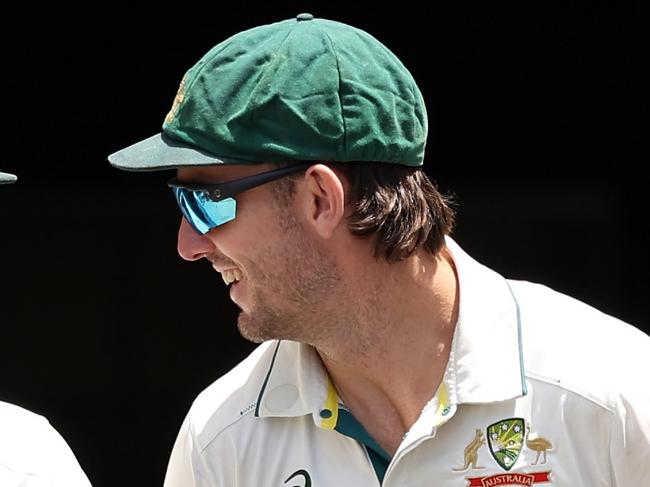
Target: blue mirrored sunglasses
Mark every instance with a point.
(207, 206)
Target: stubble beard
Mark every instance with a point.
(293, 299)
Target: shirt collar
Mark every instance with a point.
(297, 384)
(485, 363)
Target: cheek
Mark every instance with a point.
(243, 236)
(270, 262)
(255, 238)
(256, 251)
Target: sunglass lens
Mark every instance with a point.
(203, 213)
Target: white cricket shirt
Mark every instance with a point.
(33, 453)
(539, 389)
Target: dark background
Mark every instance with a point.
(535, 126)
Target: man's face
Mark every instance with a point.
(279, 275)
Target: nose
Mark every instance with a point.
(192, 245)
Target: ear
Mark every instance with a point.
(324, 199)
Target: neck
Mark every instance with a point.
(391, 357)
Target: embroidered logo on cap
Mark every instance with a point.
(178, 99)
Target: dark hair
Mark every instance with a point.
(398, 206)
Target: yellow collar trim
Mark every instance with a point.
(331, 405)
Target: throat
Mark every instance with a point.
(380, 421)
(382, 440)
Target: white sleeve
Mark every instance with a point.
(630, 438)
(212, 465)
(64, 469)
(32, 452)
(180, 472)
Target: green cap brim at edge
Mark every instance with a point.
(161, 152)
(7, 178)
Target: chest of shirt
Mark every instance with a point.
(526, 441)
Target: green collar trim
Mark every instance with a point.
(524, 388)
(266, 380)
(349, 426)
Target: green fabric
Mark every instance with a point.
(349, 426)
(6, 178)
(300, 89)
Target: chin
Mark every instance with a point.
(248, 329)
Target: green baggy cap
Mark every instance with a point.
(6, 178)
(300, 89)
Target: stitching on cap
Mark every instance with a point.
(338, 71)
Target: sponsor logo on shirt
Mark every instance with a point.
(300, 473)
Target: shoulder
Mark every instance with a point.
(22, 430)
(14, 417)
(232, 397)
(29, 444)
(579, 348)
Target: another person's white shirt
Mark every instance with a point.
(33, 453)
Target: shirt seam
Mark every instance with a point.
(218, 434)
(555, 383)
(338, 92)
